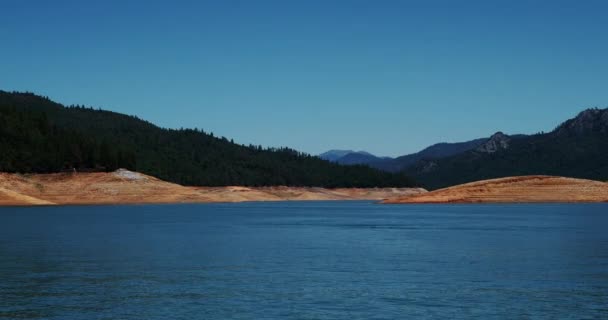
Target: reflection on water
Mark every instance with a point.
(304, 260)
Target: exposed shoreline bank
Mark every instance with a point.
(127, 187)
(520, 189)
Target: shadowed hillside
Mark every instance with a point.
(40, 136)
(577, 148)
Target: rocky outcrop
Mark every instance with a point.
(498, 141)
(588, 121)
(520, 189)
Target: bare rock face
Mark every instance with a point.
(498, 141)
(129, 175)
(590, 120)
(429, 166)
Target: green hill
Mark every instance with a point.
(577, 148)
(38, 135)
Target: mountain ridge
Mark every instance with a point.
(437, 150)
(335, 155)
(576, 148)
(38, 135)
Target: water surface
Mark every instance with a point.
(305, 260)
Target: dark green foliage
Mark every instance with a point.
(38, 135)
(578, 148)
(31, 143)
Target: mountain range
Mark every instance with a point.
(576, 148)
(337, 155)
(38, 135)
(436, 151)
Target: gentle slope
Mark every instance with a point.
(519, 189)
(123, 186)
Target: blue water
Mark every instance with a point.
(305, 260)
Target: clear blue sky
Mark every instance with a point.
(389, 77)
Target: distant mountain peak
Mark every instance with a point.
(498, 141)
(336, 154)
(589, 120)
(498, 135)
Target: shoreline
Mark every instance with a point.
(514, 190)
(123, 187)
(126, 187)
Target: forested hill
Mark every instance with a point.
(577, 148)
(38, 135)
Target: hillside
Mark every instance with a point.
(436, 151)
(577, 148)
(360, 158)
(521, 189)
(127, 187)
(38, 135)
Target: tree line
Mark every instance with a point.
(38, 135)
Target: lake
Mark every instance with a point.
(305, 260)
